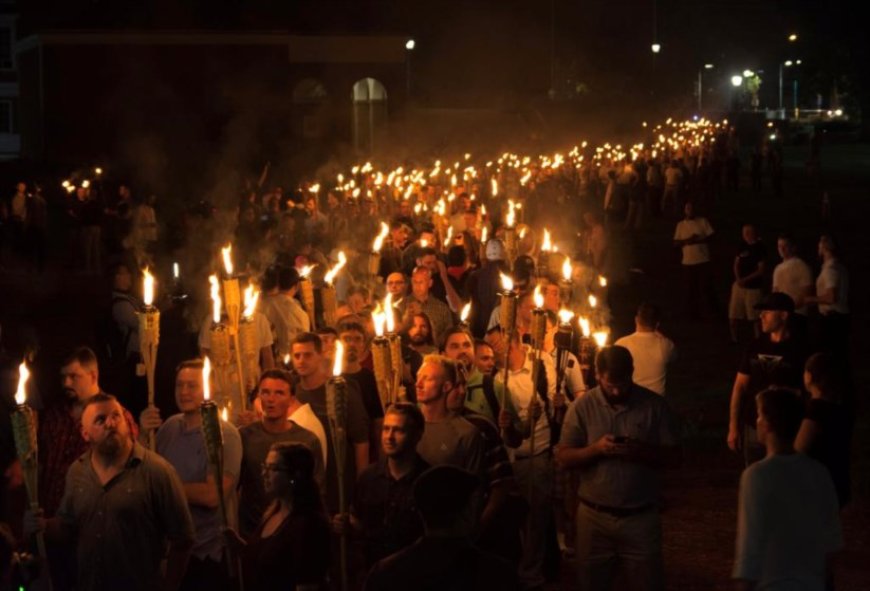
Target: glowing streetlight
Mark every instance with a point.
(736, 80)
(656, 47)
(748, 73)
(788, 63)
(793, 37)
(410, 44)
(708, 66)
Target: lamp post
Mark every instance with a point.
(410, 44)
(782, 65)
(701, 85)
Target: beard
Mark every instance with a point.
(419, 338)
(111, 445)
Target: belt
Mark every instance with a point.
(618, 511)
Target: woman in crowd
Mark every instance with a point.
(290, 549)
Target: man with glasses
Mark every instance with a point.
(618, 435)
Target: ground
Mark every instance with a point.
(701, 495)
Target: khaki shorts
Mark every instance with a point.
(742, 304)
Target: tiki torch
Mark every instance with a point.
(149, 338)
(24, 433)
(508, 322)
(249, 344)
(539, 332)
(381, 358)
(566, 285)
(543, 266)
(483, 238)
(375, 254)
(306, 289)
(510, 234)
(219, 340)
(214, 440)
(233, 306)
(336, 408)
(464, 315)
(327, 292)
(396, 363)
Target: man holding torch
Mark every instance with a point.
(180, 442)
(122, 505)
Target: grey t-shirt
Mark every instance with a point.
(455, 442)
(185, 450)
(121, 528)
(256, 442)
(357, 432)
(613, 481)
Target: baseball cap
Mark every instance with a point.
(776, 301)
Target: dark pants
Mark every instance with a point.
(699, 286)
(205, 573)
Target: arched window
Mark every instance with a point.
(369, 99)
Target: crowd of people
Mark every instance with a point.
(503, 452)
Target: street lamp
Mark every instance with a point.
(656, 47)
(701, 85)
(786, 64)
(736, 80)
(748, 73)
(793, 37)
(410, 44)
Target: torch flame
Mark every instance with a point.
(339, 358)
(176, 270)
(483, 235)
(379, 239)
(147, 287)
(252, 294)
(494, 191)
(506, 282)
(593, 301)
(583, 323)
(379, 318)
(215, 298)
(23, 376)
(286, 359)
(538, 297)
(225, 415)
(424, 243)
(511, 217)
(546, 245)
(466, 310)
(565, 316)
(567, 271)
(600, 338)
(602, 281)
(206, 374)
(388, 312)
(226, 253)
(449, 236)
(306, 271)
(330, 275)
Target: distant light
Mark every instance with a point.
(410, 44)
(793, 37)
(656, 47)
(788, 63)
(838, 112)
(736, 80)
(748, 73)
(798, 62)
(695, 117)
(773, 137)
(708, 66)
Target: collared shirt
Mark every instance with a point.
(60, 444)
(185, 449)
(122, 527)
(834, 276)
(522, 389)
(385, 507)
(613, 481)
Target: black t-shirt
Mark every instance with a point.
(368, 388)
(833, 442)
(770, 364)
(748, 258)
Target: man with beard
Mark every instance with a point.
(279, 402)
(484, 395)
(420, 335)
(618, 435)
(122, 506)
(180, 442)
(60, 434)
(383, 512)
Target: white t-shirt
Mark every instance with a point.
(788, 522)
(304, 417)
(694, 254)
(792, 277)
(651, 352)
(834, 276)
